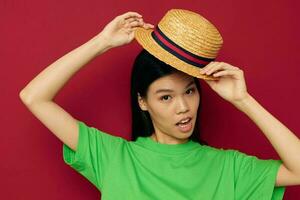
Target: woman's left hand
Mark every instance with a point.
(231, 82)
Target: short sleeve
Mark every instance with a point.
(255, 178)
(94, 151)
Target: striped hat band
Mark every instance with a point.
(181, 53)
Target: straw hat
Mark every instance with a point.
(183, 39)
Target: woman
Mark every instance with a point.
(165, 160)
(148, 75)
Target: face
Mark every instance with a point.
(169, 100)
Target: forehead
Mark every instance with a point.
(172, 81)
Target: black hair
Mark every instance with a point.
(146, 69)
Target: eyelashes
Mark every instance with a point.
(165, 97)
(191, 89)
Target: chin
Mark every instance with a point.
(183, 136)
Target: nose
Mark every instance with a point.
(182, 106)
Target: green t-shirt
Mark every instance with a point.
(144, 169)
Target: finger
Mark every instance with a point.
(213, 68)
(218, 66)
(148, 25)
(133, 29)
(204, 69)
(135, 23)
(141, 23)
(129, 20)
(130, 14)
(209, 67)
(226, 73)
(213, 64)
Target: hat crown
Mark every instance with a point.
(192, 32)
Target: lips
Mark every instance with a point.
(186, 126)
(185, 120)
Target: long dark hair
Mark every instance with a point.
(146, 69)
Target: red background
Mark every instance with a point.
(261, 37)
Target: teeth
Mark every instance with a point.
(184, 120)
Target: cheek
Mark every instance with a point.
(197, 102)
(194, 102)
(160, 113)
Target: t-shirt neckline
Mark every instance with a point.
(149, 143)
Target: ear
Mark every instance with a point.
(142, 103)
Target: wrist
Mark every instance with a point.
(244, 102)
(102, 43)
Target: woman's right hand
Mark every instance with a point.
(120, 30)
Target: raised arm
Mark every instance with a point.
(232, 87)
(39, 93)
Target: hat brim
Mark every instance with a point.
(144, 38)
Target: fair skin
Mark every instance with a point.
(166, 108)
(231, 86)
(38, 95)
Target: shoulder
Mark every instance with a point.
(226, 153)
(99, 135)
(215, 152)
(211, 149)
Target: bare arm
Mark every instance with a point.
(39, 93)
(232, 87)
(284, 141)
(49, 82)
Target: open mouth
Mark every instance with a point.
(184, 122)
(185, 126)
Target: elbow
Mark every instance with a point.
(24, 96)
(28, 98)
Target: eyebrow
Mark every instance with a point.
(169, 90)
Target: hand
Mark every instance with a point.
(120, 30)
(231, 82)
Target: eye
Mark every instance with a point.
(165, 97)
(192, 90)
